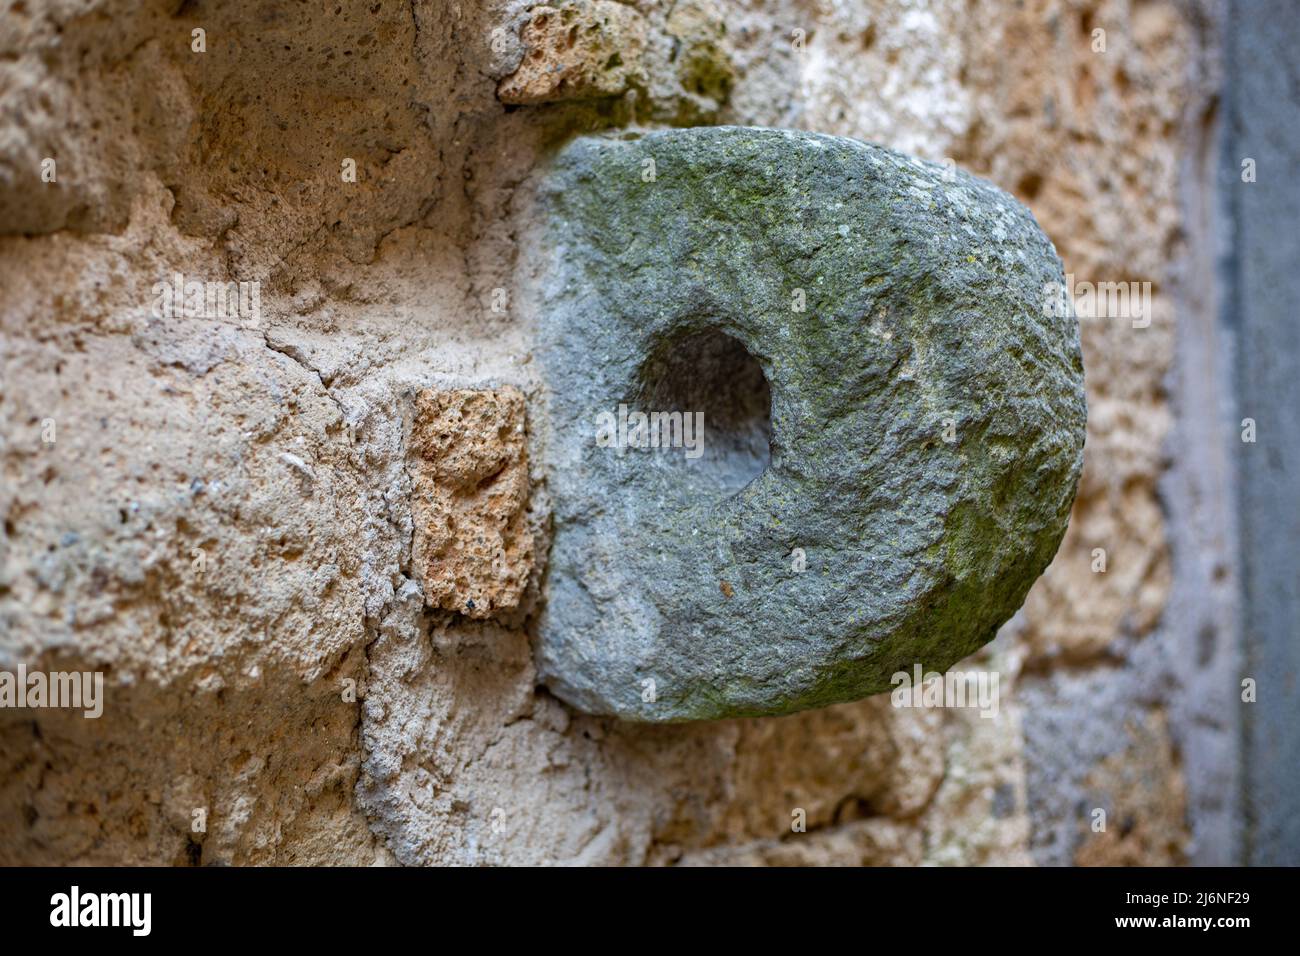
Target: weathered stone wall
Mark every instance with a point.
(234, 518)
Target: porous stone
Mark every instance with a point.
(227, 164)
(893, 421)
(702, 67)
(473, 548)
(576, 51)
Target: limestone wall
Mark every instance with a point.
(235, 518)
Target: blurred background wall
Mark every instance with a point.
(224, 524)
(1262, 128)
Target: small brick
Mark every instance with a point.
(469, 463)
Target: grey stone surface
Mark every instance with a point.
(679, 262)
(1263, 285)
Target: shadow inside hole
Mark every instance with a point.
(711, 373)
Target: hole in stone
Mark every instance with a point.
(712, 373)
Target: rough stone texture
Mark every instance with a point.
(582, 50)
(226, 691)
(675, 67)
(473, 549)
(922, 310)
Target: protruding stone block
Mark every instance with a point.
(473, 548)
(580, 50)
(893, 420)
